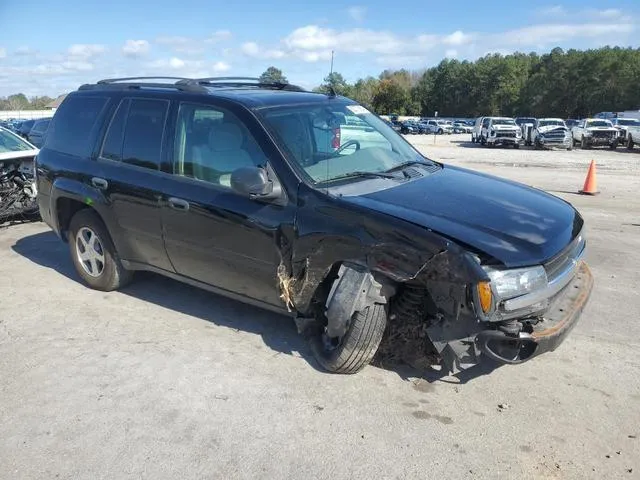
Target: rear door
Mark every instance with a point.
(129, 175)
(212, 234)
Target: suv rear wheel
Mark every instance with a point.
(94, 254)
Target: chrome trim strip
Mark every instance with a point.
(558, 283)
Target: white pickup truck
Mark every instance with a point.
(595, 132)
(551, 132)
(628, 131)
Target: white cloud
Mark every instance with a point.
(357, 13)
(219, 67)
(25, 51)
(252, 49)
(3, 52)
(608, 13)
(547, 34)
(218, 36)
(457, 38)
(451, 53)
(135, 48)
(86, 50)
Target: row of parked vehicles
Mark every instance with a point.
(556, 132)
(432, 126)
(33, 130)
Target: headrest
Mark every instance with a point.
(227, 136)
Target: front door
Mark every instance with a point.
(212, 234)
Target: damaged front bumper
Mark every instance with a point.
(544, 336)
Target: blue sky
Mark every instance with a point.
(53, 49)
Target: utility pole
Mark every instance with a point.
(331, 72)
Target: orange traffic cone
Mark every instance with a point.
(590, 183)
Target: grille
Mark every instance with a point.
(564, 259)
(506, 134)
(598, 134)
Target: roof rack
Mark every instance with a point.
(240, 82)
(179, 83)
(194, 85)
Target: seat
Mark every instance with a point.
(224, 153)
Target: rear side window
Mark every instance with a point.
(143, 133)
(112, 146)
(135, 133)
(73, 124)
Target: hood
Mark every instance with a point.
(15, 155)
(515, 224)
(607, 129)
(550, 128)
(505, 127)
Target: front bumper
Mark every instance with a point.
(563, 314)
(504, 140)
(556, 142)
(601, 140)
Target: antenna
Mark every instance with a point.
(331, 71)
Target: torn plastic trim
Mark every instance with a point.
(353, 290)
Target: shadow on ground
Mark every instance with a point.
(277, 331)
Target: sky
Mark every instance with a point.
(49, 49)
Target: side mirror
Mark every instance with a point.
(252, 182)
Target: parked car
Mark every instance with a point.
(623, 124)
(595, 132)
(439, 127)
(461, 127)
(38, 132)
(219, 183)
(500, 131)
(407, 128)
(25, 128)
(632, 134)
(551, 132)
(526, 124)
(17, 191)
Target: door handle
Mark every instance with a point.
(178, 204)
(100, 183)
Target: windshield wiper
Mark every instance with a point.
(364, 174)
(406, 164)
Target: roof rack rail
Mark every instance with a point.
(179, 83)
(240, 82)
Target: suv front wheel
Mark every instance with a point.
(93, 253)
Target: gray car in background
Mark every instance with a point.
(38, 132)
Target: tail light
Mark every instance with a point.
(335, 141)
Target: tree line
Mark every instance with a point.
(19, 101)
(567, 84)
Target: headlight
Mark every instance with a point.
(505, 285)
(587, 133)
(493, 132)
(519, 281)
(518, 133)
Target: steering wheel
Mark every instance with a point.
(347, 144)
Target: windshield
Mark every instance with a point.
(599, 123)
(628, 122)
(521, 121)
(503, 121)
(12, 143)
(326, 143)
(547, 123)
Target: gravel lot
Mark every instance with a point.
(167, 381)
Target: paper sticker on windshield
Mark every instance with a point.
(357, 109)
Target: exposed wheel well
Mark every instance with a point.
(66, 208)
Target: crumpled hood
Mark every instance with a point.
(606, 129)
(513, 223)
(550, 128)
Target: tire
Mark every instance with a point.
(483, 141)
(516, 146)
(584, 145)
(629, 142)
(570, 147)
(614, 145)
(359, 345)
(473, 139)
(440, 132)
(86, 228)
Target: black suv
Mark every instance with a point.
(308, 203)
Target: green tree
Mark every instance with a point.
(336, 81)
(390, 97)
(273, 75)
(17, 101)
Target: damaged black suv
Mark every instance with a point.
(308, 204)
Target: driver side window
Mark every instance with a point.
(211, 143)
(485, 123)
